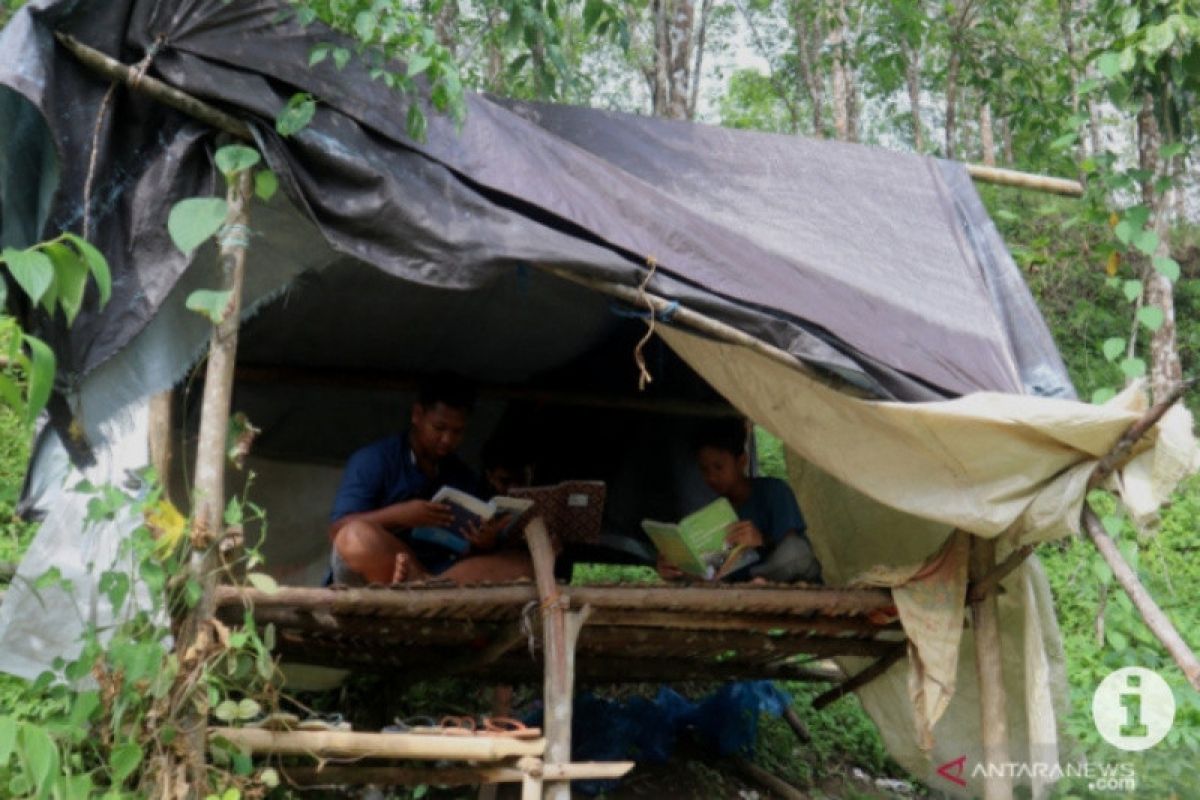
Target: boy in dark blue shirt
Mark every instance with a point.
(385, 493)
(769, 517)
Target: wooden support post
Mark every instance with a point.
(161, 426)
(1155, 619)
(980, 589)
(209, 503)
(993, 718)
(531, 778)
(560, 633)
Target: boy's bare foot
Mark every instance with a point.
(407, 569)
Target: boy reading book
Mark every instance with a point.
(769, 519)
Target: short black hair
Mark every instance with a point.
(721, 434)
(452, 391)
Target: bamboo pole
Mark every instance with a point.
(1025, 180)
(859, 679)
(993, 718)
(351, 744)
(978, 590)
(557, 651)
(1158, 622)
(469, 600)
(161, 427)
(152, 87)
(762, 623)
(349, 774)
(208, 505)
(532, 770)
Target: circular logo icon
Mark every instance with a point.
(1133, 708)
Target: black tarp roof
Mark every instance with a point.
(880, 266)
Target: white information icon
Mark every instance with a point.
(1133, 708)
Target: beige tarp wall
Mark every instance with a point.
(884, 485)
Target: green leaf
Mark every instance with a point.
(31, 269)
(263, 582)
(1101, 571)
(1147, 242)
(234, 158)
(70, 277)
(341, 57)
(1138, 216)
(416, 123)
(319, 53)
(41, 376)
(8, 739)
(1116, 639)
(1125, 231)
(1167, 267)
(1157, 39)
(210, 303)
(1173, 149)
(248, 709)
(227, 711)
(418, 64)
(265, 185)
(97, 263)
(364, 25)
(1112, 524)
(1151, 316)
(1113, 348)
(10, 393)
(297, 114)
(124, 760)
(193, 221)
(40, 755)
(1132, 290)
(1133, 367)
(1109, 65)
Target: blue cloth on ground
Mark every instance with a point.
(647, 730)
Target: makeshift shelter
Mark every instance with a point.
(857, 303)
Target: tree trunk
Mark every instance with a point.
(1165, 368)
(445, 26)
(1006, 141)
(952, 101)
(1066, 27)
(683, 13)
(912, 76)
(662, 59)
(987, 140)
(495, 58)
(705, 9)
(808, 34)
(841, 78)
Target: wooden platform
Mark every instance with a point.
(633, 634)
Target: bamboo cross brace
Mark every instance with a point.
(1158, 622)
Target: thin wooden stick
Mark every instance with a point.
(151, 87)
(1025, 180)
(773, 784)
(161, 427)
(859, 679)
(209, 502)
(351, 744)
(981, 588)
(343, 774)
(1158, 622)
(993, 717)
(763, 623)
(1120, 451)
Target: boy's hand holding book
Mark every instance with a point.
(424, 514)
(482, 536)
(744, 533)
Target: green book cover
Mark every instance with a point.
(696, 544)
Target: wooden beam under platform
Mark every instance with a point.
(352, 744)
(357, 775)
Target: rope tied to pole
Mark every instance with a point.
(639, 356)
(235, 235)
(139, 72)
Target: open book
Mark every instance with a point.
(572, 510)
(697, 544)
(469, 511)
